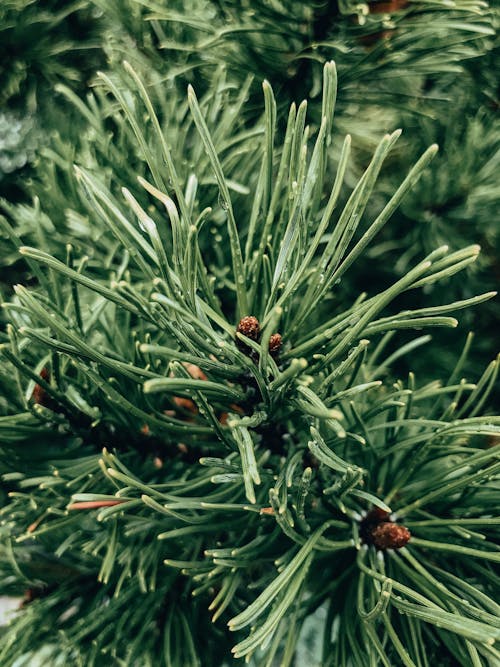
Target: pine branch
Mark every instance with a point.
(169, 455)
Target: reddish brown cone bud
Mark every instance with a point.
(39, 394)
(377, 528)
(389, 535)
(275, 344)
(249, 326)
(376, 515)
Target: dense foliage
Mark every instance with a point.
(222, 433)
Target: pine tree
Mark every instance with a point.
(208, 449)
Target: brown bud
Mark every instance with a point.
(249, 326)
(275, 344)
(223, 417)
(372, 519)
(376, 515)
(39, 394)
(389, 535)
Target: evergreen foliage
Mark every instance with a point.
(209, 450)
(373, 43)
(234, 479)
(41, 43)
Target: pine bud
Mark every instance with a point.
(376, 515)
(275, 344)
(249, 326)
(377, 529)
(389, 535)
(39, 394)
